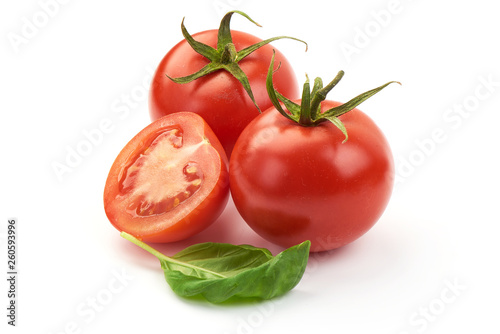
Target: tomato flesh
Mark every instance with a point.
(156, 187)
(169, 182)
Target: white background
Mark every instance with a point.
(440, 229)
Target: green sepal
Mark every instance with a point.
(238, 73)
(209, 68)
(225, 57)
(338, 123)
(291, 106)
(275, 96)
(309, 112)
(205, 50)
(224, 34)
(249, 49)
(353, 103)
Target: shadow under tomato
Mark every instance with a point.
(228, 228)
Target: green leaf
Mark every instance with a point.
(219, 271)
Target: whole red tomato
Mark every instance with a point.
(293, 182)
(229, 84)
(169, 182)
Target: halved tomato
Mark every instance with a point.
(169, 182)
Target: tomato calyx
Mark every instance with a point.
(309, 113)
(225, 56)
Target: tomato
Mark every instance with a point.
(218, 97)
(292, 183)
(312, 169)
(169, 182)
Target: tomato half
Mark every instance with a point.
(218, 97)
(292, 183)
(169, 182)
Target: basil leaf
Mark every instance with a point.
(219, 271)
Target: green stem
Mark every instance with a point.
(143, 245)
(162, 256)
(321, 94)
(229, 54)
(315, 109)
(305, 106)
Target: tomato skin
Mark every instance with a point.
(193, 214)
(218, 97)
(292, 183)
